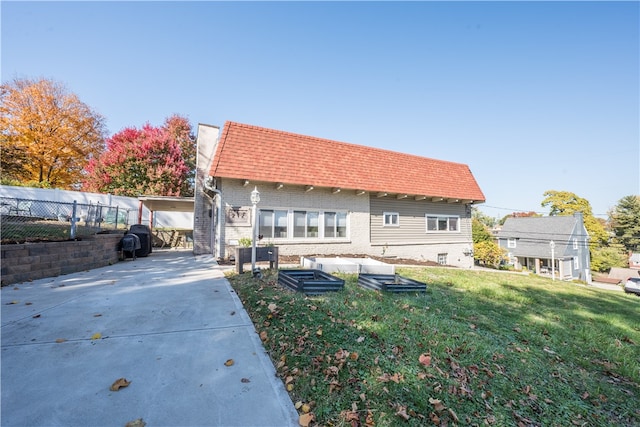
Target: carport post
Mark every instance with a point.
(140, 212)
(73, 220)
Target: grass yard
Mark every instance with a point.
(479, 348)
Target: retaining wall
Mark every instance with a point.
(31, 261)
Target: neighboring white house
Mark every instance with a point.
(319, 196)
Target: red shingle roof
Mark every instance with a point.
(260, 154)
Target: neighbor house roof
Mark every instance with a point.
(260, 154)
(534, 234)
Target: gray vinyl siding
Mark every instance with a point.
(412, 222)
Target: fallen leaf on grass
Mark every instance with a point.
(454, 415)
(437, 404)
(306, 419)
(136, 423)
(229, 362)
(119, 383)
(402, 413)
(425, 359)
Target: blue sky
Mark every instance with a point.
(533, 96)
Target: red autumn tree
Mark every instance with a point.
(156, 161)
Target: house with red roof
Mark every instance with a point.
(324, 197)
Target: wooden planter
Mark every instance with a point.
(390, 283)
(311, 282)
(263, 253)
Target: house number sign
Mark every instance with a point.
(238, 216)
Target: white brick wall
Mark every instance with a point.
(235, 194)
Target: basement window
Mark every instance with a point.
(442, 259)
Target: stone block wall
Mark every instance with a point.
(31, 261)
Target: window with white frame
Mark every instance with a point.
(511, 243)
(301, 224)
(442, 259)
(576, 263)
(390, 219)
(335, 224)
(305, 224)
(442, 223)
(273, 224)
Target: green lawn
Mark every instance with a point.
(479, 348)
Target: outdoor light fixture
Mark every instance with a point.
(255, 199)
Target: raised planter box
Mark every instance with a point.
(348, 265)
(311, 282)
(263, 253)
(390, 283)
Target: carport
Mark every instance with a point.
(163, 204)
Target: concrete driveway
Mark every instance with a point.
(167, 323)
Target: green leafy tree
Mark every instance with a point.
(566, 203)
(487, 220)
(625, 222)
(604, 258)
(480, 232)
(150, 160)
(489, 253)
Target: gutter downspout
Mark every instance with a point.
(215, 243)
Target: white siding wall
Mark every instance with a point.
(410, 239)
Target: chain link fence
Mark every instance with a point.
(24, 220)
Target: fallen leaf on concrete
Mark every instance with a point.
(136, 423)
(12, 302)
(229, 362)
(28, 303)
(245, 380)
(59, 340)
(35, 316)
(96, 336)
(119, 383)
(97, 315)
